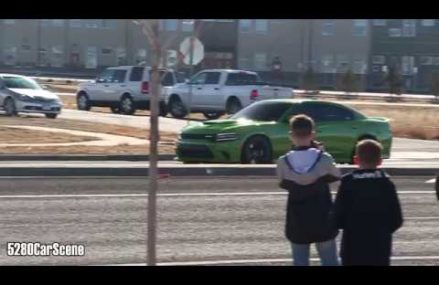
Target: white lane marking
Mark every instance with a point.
(172, 194)
(431, 180)
(217, 194)
(249, 261)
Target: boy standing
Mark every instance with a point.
(367, 209)
(305, 172)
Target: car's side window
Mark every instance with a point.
(136, 74)
(106, 76)
(119, 76)
(327, 112)
(199, 79)
(168, 79)
(213, 78)
(293, 111)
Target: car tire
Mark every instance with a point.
(83, 102)
(177, 109)
(256, 150)
(163, 109)
(126, 105)
(115, 110)
(51, 116)
(233, 106)
(212, 115)
(10, 107)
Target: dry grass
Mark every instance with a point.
(18, 136)
(165, 146)
(410, 122)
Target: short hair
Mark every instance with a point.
(301, 125)
(369, 151)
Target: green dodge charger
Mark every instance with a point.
(259, 132)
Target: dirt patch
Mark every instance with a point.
(20, 136)
(166, 144)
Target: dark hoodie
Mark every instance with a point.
(368, 210)
(305, 173)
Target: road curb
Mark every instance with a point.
(68, 157)
(183, 171)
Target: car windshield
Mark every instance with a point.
(263, 112)
(20, 82)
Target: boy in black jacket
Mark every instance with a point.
(305, 172)
(367, 209)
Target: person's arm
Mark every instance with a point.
(395, 211)
(279, 172)
(332, 172)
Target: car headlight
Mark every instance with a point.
(225, 137)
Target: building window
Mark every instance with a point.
(141, 55)
(436, 60)
(108, 24)
(378, 59)
(379, 22)
(57, 56)
(260, 61)
(342, 63)
(187, 25)
(261, 26)
(409, 28)
(75, 23)
(171, 25)
(408, 64)
(9, 55)
(57, 23)
(328, 28)
(426, 60)
(245, 26)
(360, 28)
(244, 63)
(359, 66)
(428, 23)
(394, 33)
(327, 62)
(106, 51)
(92, 24)
(8, 22)
(91, 59)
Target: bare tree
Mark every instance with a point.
(150, 29)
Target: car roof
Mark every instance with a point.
(10, 74)
(293, 101)
(229, 71)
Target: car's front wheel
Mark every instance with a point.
(10, 107)
(51, 116)
(212, 115)
(82, 102)
(127, 105)
(177, 109)
(256, 150)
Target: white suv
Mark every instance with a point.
(125, 89)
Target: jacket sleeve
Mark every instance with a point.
(395, 212)
(331, 172)
(339, 210)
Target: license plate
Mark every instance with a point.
(46, 108)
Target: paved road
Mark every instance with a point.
(215, 221)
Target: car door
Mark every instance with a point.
(117, 86)
(209, 93)
(97, 91)
(195, 100)
(335, 127)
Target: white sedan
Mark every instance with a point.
(21, 94)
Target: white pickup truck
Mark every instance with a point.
(218, 91)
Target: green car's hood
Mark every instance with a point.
(215, 126)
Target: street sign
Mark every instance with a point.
(198, 50)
